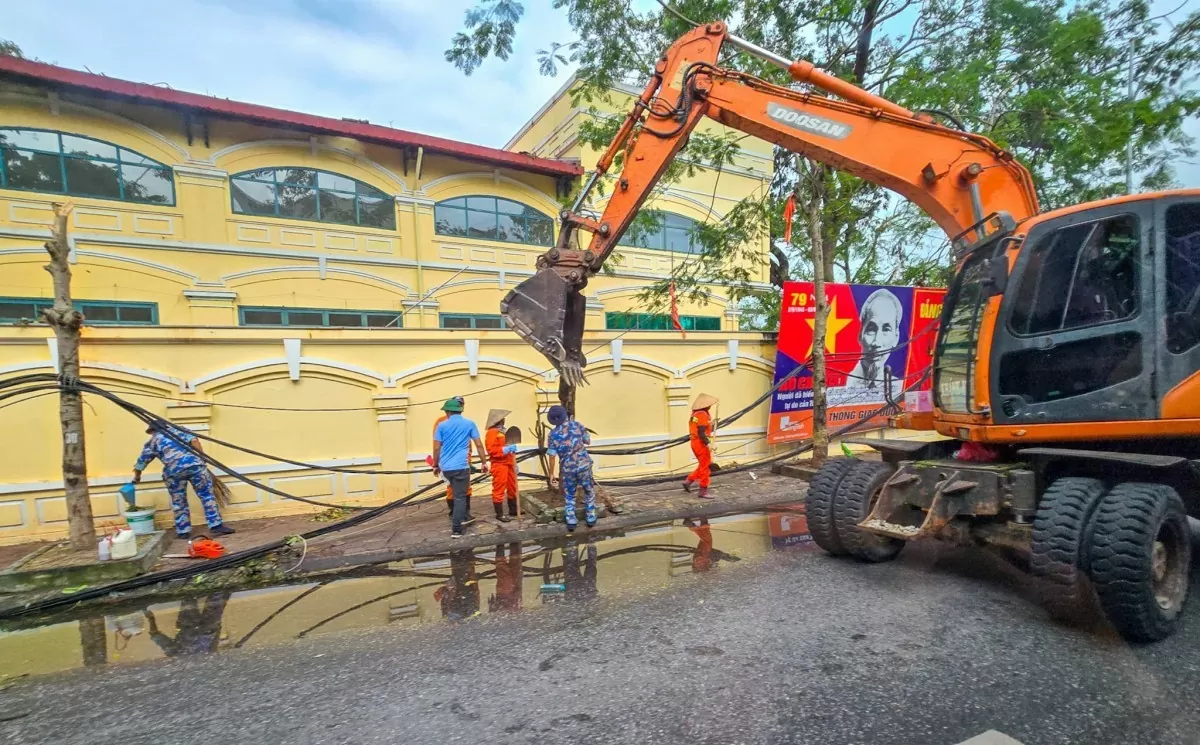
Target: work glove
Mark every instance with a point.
(509, 449)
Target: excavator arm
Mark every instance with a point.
(967, 184)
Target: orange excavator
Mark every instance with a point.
(1066, 372)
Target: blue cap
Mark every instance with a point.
(557, 415)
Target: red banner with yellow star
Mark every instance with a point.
(878, 341)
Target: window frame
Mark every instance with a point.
(466, 210)
(609, 316)
(63, 157)
(1169, 316)
(473, 317)
(1138, 226)
(317, 189)
(40, 303)
(694, 247)
(325, 313)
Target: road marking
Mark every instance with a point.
(991, 737)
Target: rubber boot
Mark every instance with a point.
(512, 508)
(704, 493)
(687, 485)
(500, 512)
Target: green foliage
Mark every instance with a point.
(10, 49)
(1049, 81)
(1044, 78)
(492, 25)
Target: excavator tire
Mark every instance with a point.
(853, 502)
(1140, 557)
(818, 503)
(1059, 552)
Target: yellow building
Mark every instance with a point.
(239, 265)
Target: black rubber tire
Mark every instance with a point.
(851, 505)
(1128, 522)
(1059, 552)
(818, 503)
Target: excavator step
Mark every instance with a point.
(891, 530)
(934, 493)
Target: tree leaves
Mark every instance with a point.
(492, 25)
(1046, 79)
(10, 49)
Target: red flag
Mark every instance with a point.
(675, 312)
(789, 211)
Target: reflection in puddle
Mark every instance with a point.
(510, 577)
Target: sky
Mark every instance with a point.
(380, 60)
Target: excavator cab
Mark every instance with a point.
(1077, 335)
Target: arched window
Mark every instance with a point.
(309, 194)
(668, 232)
(493, 219)
(62, 163)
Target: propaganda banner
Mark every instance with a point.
(879, 341)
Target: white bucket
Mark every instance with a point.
(141, 522)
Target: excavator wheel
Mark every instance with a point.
(852, 503)
(1141, 554)
(1059, 551)
(818, 503)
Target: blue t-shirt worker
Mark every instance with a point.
(451, 450)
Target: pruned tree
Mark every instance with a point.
(66, 321)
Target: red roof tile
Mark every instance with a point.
(63, 78)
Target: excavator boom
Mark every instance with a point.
(966, 183)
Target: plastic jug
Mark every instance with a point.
(124, 545)
(104, 549)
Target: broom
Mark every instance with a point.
(220, 491)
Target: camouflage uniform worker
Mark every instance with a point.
(180, 466)
(569, 441)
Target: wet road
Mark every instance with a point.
(783, 646)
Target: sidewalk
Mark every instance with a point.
(424, 529)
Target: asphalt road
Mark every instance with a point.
(934, 648)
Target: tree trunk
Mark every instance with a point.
(815, 201)
(93, 641)
(65, 321)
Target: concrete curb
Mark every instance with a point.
(536, 532)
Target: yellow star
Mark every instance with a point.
(833, 324)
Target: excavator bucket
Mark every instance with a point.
(548, 314)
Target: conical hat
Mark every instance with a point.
(703, 401)
(495, 415)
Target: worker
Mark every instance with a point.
(459, 595)
(700, 432)
(451, 449)
(568, 442)
(508, 579)
(179, 452)
(702, 558)
(504, 465)
(449, 491)
(580, 583)
(196, 631)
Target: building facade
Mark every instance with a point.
(312, 288)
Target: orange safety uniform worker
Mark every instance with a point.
(508, 579)
(702, 558)
(700, 431)
(470, 447)
(504, 465)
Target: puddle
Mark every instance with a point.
(456, 587)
